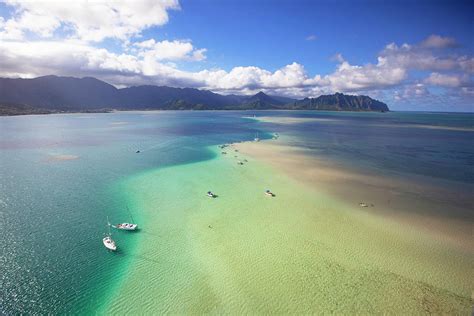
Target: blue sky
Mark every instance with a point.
(414, 55)
(269, 34)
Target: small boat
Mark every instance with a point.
(125, 226)
(363, 205)
(210, 194)
(269, 193)
(137, 152)
(256, 139)
(240, 163)
(108, 242)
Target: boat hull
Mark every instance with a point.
(109, 244)
(126, 226)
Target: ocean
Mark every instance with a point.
(62, 175)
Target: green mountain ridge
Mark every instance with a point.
(50, 94)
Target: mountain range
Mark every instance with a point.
(50, 94)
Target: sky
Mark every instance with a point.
(413, 55)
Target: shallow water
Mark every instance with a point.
(299, 252)
(62, 175)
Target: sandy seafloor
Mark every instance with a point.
(309, 249)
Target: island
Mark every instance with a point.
(56, 94)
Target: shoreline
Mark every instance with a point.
(301, 251)
(109, 111)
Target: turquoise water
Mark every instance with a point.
(59, 174)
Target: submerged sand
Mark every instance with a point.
(432, 208)
(61, 157)
(290, 120)
(306, 250)
(287, 120)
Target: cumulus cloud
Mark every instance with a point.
(436, 41)
(349, 77)
(416, 57)
(149, 64)
(450, 80)
(338, 57)
(411, 91)
(67, 38)
(71, 34)
(444, 80)
(86, 20)
(146, 66)
(170, 50)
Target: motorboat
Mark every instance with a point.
(210, 194)
(269, 193)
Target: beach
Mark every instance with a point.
(305, 250)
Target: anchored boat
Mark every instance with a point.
(108, 242)
(269, 193)
(126, 226)
(210, 194)
(256, 139)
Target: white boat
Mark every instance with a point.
(256, 138)
(108, 242)
(210, 194)
(126, 226)
(269, 193)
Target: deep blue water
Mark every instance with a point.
(53, 213)
(438, 145)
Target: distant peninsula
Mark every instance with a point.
(55, 94)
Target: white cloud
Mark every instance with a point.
(412, 91)
(436, 41)
(87, 20)
(62, 57)
(466, 64)
(338, 57)
(146, 44)
(170, 50)
(353, 78)
(445, 80)
(68, 37)
(157, 62)
(414, 57)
